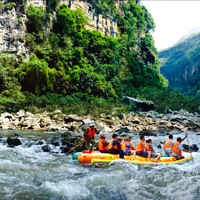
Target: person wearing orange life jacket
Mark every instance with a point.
(153, 154)
(89, 136)
(127, 147)
(169, 145)
(177, 149)
(114, 146)
(103, 144)
(141, 147)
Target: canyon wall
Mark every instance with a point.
(13, 28)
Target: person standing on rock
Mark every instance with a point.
(89, 136)
(141, 147)
(114, 146)
(178, 148)
(103, 144)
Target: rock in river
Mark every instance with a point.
(148, 133)
(12, 142)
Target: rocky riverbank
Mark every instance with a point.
(173, 121)
(148, 123)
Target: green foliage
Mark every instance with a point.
(9, 6)
(167, 98)
(36, 78)
(180, 65)
(19, 20)
(82, 71)
(35, 19)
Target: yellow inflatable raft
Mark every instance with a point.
(106, 159)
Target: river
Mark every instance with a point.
(26, 172)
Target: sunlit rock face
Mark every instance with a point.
(36, 3)
(13, 28)
(107, 25)
(12, 32)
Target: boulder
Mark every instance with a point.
(165, 118)
(80, 130)
(46, 121)
(65, 149)
(196, 114)
(102, 115)
(123, 130)
(57, 111)
(7, 125)
(193, 147)
(109, 117)
(122, 116)
(139, 105)
(12, 142)
(8, 115)
(30, 123)
(40, 142)
(71, 118)
(72, 143)
(55, 141)
(148, 133)
(107, 129)
(159, 146)
(177, 118)
(86, 120)
(21, 113)
(28, 114)
(136, 120)
(67, 134)
(56, 127)
(46, 148)
(57, 117)
(108, 122)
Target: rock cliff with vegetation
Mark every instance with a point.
(180, 65)
(80, 56)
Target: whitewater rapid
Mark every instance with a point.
(26, 172)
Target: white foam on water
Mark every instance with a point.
(72, 189)
(27, 171)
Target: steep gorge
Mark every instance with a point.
(82, 52)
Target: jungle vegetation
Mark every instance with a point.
(82, 71)
(180, 65)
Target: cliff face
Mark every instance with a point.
(107, 25)
(13, 29)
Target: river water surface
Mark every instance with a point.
(26, 172)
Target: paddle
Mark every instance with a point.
(190, 149)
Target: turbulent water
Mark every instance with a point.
(26, 172)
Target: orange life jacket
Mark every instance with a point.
(110, 146)
(175, 148)
(124, 146)
(101, 147)
(167, 144)
(140, 146)
(90, 133)
(147, 146)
